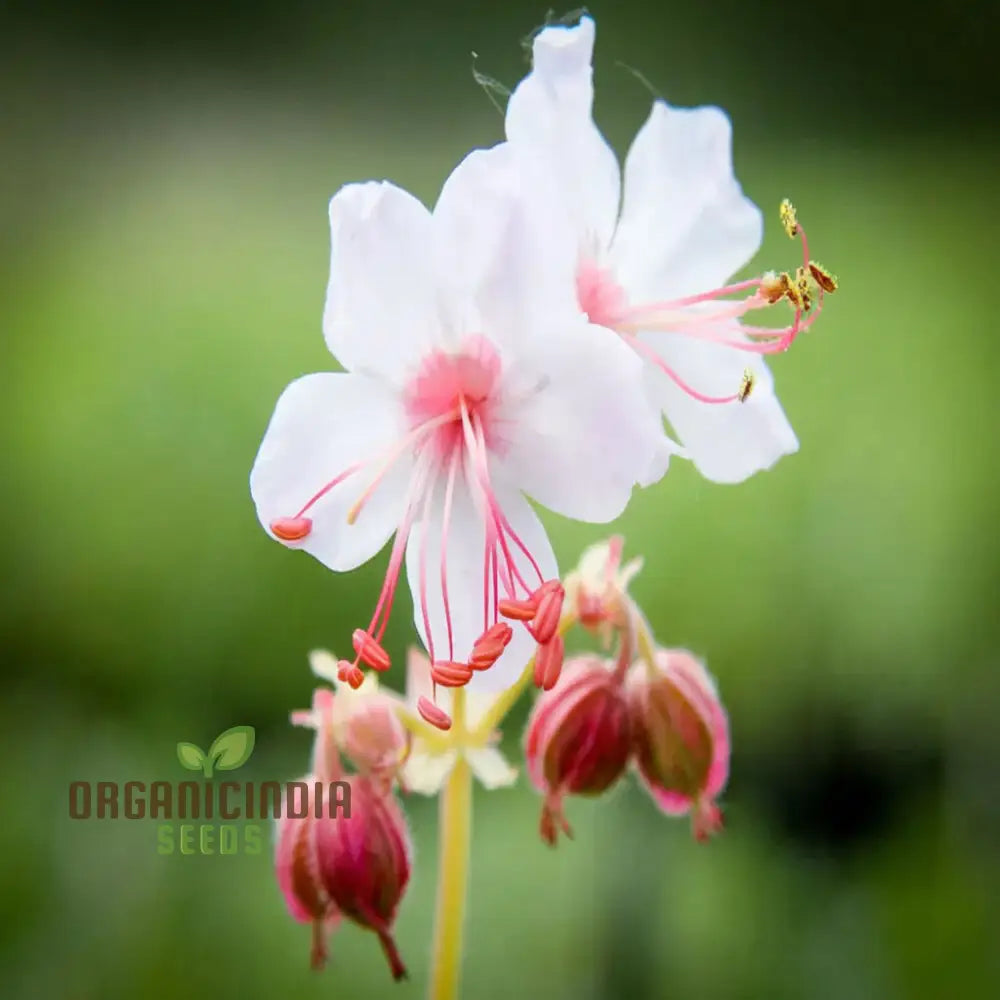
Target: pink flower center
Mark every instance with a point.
(599, 294)
(605, 302)
(448, 385)
(451, 404)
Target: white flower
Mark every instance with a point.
(430, 762)
(653, 271)
(471, 380)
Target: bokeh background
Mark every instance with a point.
(163, 259)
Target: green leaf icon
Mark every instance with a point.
(192, 757)
(232, 748)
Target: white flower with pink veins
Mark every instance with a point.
(656, 272)
(470, 382)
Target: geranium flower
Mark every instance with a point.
(656, 271)
(471, 381)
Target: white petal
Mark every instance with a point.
(491, 767)
(686, 225)
(323, 424)
(587, 432)
(728, 442)
(550, 115)
(666, 449)
(380, 313)
(425, 773)
(464, 572)
(505, 251)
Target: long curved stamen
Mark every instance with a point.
(413, 439)
(476, 445)
(449, 492)
(425, 518)
(804, 290)
(647, 352)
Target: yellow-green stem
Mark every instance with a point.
(454, 836)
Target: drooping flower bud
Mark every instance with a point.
(680, 736)
(363, 861)
(578, 738)
(346, 857)
(298, 880)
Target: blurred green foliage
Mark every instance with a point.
(163, 279)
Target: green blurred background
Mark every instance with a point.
(163, 262)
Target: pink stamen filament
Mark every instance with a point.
(413, 439)
(449, 492)
(476, 446)
(647, 352)
(383, 607)
(717, 327)
(497, 513)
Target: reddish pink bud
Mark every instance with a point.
(549, 662)
(681, 737)
(363, 862)
(370, 651)
(549, 602)
(298, 879)
(578, 738)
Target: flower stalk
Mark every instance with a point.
(454, 837)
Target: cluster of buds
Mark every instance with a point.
(349, 857)
(654, 708)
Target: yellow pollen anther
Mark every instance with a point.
(746, 386)
(804, 288)
(773, 286)
(788, 218)
(823, 277)
(793, 295)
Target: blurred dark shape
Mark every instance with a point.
(831, 790)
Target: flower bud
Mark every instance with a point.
(353, 863)
(680, 737)
(363, 862)
(298, 880)
(578, 738)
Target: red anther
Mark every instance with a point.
(291, 529)
(519, 611)
(548, 662)
(545, 588)
(546, 621)
(370, 651)
(354, 676)
(449, 673)
(429, 712)
(500, 632)
(485, 654)
(490, 645)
